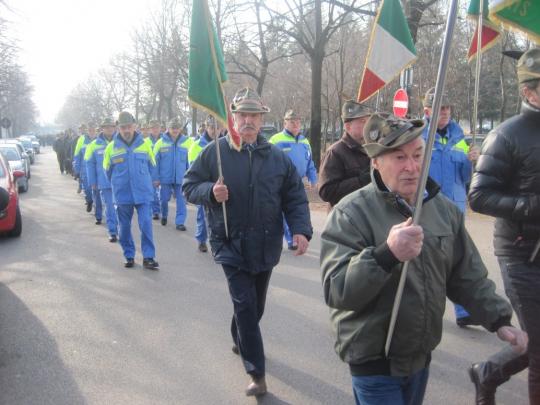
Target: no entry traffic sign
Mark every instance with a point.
(401, 103)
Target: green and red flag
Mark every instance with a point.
(519, 15)
(490, 32)
(207, 70)
(391, 49)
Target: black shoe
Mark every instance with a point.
(293, 247)
(235, 349)
(129, 262)
(88, 207)
(98, 221)
(113, 238)
(485, 394)
(155, 217)
(150, 264)
(465, 321)
(180, 227)
(163, 221)
(202, 247)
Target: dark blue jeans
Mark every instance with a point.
(248, 294)
(522, 286)
(386, 390)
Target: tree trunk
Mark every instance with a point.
(315, 125)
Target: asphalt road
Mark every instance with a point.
(78, 328)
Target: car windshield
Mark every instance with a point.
(26, 143)
(10, 154)
(2, 172)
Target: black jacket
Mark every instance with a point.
(506, 183)
(263, 185)
(345, 168)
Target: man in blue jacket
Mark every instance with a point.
(155, 135)
(211, 128)
(130, 166)
(297, 147)
(259, 184)
(451, 166)
(88, 134)
(171, 153)
(97, 178)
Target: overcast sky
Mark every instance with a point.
(63, 41)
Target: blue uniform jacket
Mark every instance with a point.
(172, 158)
(299, 151)
(131, 170)
(263, 186)
(94, 164)
(79, 165)
(450, 167)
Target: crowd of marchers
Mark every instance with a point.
(250, 196)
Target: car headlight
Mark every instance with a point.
(16, 165)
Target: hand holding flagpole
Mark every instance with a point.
(439, 87)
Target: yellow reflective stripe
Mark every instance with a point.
(462, 146)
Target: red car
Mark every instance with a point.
(10, 213)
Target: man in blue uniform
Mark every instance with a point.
(451, 166)
(97, 177)
(88, 134)
(211, 128)
(155, 135)
(297, 147)
(171, 153)
(130, 166)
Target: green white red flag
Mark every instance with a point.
(207, 70)
(519, 15)
(391, 49)
(490, 32)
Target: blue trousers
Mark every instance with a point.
(110, 212)
(385, 390)
(201, 233)
(166, 192)
(248, 294)
(156, 209)
(85, 185)
(460, 311)
(144, 216)
(287, 233)
(98, 207)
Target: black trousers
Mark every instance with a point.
(522, 286)
(248, 294)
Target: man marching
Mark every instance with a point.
(97, 177)
(171, 153)
(130, 166)
(155, 135)
(88, 134)
(212, 129)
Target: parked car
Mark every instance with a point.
(16, 162)
(28, 148)
(35, 143)
(23, 153)
(10, 212)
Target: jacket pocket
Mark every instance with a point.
(141, 163)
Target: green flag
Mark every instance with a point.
(207, 68)
(520, 15)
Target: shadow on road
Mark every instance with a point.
(31, 368)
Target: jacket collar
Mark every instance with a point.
(350, 142)
(297, 137)
(432, 189)
(102, 140)
(263, 146)
(119, 141)
(529, 109)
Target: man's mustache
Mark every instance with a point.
(247, 126)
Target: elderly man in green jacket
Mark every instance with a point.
(367, 237)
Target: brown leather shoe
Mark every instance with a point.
(257, 387)
(485, 394)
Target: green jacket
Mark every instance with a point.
(360, 278)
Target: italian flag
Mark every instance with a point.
(391, 49)
(519, 15)
(490, 33)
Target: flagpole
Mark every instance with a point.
(220, 174)
(479, 29)
(441, 78)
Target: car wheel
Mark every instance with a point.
(17, 229)
(24, 187)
